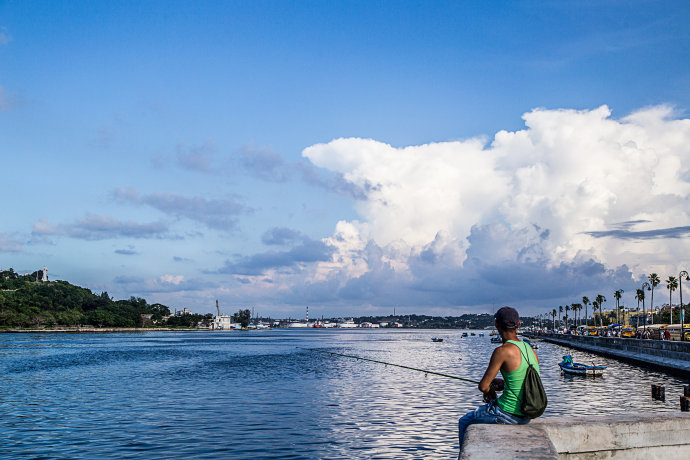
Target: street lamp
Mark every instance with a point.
(644, 310)
(682, 311)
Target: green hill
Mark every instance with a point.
(27, 303)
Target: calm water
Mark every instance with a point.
(255, 395)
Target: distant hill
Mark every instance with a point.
(28, 303)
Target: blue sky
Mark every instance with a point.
(436, 157)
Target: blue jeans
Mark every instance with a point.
(488, 413)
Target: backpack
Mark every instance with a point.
(533, 394)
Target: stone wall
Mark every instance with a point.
(657, 436)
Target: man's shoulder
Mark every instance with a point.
(508, 347)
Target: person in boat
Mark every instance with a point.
(508, 359)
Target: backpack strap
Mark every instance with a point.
(525, 354)
(526, 359)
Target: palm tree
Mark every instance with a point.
(585, 300)
(595, 306)
(553, 314)
(560, 310)
(573, 308)
(578, 308)
(639, 296)
(600, 300)
(567, 309)
(671, 285)
(654, 280)
(617, 296)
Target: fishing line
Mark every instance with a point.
(390, 364)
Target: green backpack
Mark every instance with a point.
(533, 394)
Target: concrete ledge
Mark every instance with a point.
(657, 436)
(507, 442)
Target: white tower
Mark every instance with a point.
(307, 314)
(45, 274)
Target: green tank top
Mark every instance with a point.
(511, 399)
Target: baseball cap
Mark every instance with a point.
(507, 317)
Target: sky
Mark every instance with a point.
(354, 157)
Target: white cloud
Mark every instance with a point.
(172, 279)
(534, 198)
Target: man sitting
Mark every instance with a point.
(508, 360)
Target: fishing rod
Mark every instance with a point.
(389, 364)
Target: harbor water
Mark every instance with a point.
(255, 394)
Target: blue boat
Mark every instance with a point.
(531, 344)
(573, 368)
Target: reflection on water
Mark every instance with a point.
(255, 394)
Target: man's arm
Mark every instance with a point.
(485, 385)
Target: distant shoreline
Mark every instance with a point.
(98, 330)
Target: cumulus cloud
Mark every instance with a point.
(219, 214)
(575, 202)
(100, 227)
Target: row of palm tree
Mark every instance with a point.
(672, 283)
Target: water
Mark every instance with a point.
(255, 395)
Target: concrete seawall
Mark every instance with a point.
(662, 436)
(673, 357)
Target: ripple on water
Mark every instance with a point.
(249, 395)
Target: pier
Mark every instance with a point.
(669, 356)
(635, 436)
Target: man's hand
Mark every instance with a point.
(497, 385)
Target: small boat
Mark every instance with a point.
(437, 339)
(496, 339)
(472, 334)
(531, 344)
(464, 334)
(493, 332)
(481, 334)
(573, 368)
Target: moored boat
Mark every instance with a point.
(496, 339)
(573, 368)
(531, 344)
(437, 339)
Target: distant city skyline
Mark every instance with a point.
(437, 158)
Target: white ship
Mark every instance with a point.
(348, 323)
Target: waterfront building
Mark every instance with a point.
(224, 322)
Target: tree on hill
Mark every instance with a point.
(242, 317)
(26, 303)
